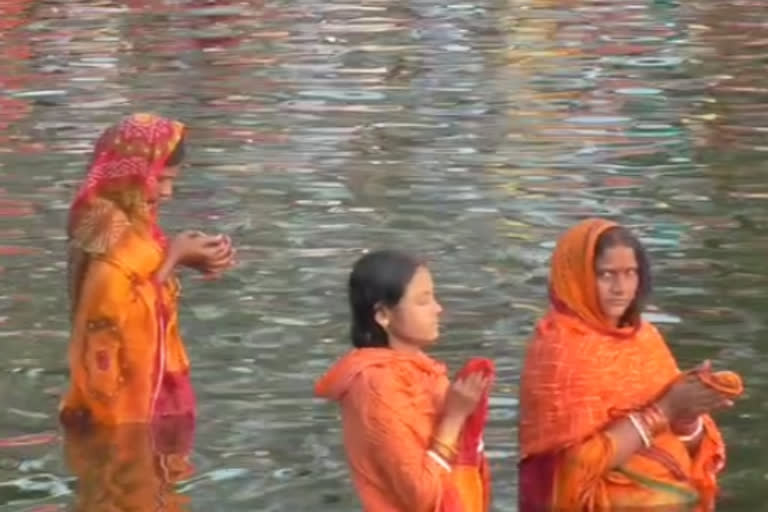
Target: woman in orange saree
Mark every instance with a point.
(607, 420)
(127, 361)
(413, 440)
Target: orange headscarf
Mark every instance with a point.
(572, 281)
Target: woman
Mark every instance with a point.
(413, 441)
(608, 422)
(127, 361)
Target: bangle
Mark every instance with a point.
(447, 451)
(654, 419)
(696, 432)
(684, 428)
(637, 423)
(439, 459)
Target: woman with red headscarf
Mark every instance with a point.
(413, 440)
(127, 361)
(607, 421)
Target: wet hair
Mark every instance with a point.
(177, 156)
(622, 237)
(378, 279)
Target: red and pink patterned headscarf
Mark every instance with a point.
(127, 160)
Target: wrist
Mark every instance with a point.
(664, 407)
(446, 449)
(655, 419)
(449, 428)
(453, 421)
(686, 426)
(172, 256)
(692, 432)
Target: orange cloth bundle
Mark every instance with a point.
(727, 383)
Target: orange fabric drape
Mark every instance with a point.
(390, 404)
(579, 375)
(127, 361)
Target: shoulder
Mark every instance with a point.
(402, 379)
(99, 227)
(384, 379)
(650, 333)
(555, 338)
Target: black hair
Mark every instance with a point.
(177, 156)
(378, 279)
(622, 237)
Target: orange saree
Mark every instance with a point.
(390, 403)
(127, 361)
(579, 375)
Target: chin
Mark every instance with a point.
(617, 313)
(432, 340)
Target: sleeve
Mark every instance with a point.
(398, 452)
(100, 322)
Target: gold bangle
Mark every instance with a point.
(444, 447)
(448, 457)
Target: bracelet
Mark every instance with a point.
(654, 419)
(442, 453)
(439, 459)
(696, 432)
(637, 423)
(683, 428)
(446, 450)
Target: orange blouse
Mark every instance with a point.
(127, 360)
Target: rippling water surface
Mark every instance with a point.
(470, 132)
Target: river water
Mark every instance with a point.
(471, 133)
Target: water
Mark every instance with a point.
(472, 133)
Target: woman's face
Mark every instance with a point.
(415, 320)
(616, 270)
(164, 188)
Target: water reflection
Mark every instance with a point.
(132, 467)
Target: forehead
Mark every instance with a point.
(421, 281)
(169, 172)
(619, 256)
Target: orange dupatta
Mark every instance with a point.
(127, 361)
(579, 375)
